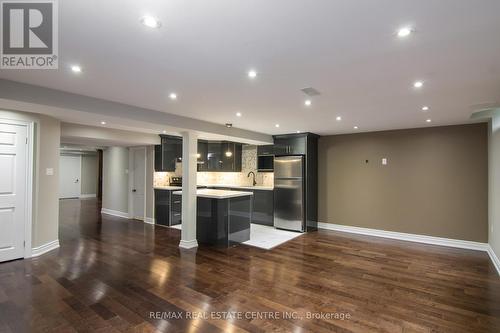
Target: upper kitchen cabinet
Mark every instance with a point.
(290, 144)
(265, 150)
(168, 153)
(224, 156)
(231, 156)
(202, 156)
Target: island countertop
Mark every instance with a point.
(217, 194)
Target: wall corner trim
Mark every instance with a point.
(115, 213)
(42, 249)
(458, 243)
(494, 258)
(149, 220)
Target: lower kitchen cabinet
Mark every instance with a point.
(176, 210)
(263, 207)
(162, 207)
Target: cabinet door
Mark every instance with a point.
(202, 158)
(158, 158)
(214, 156)
(297, 145)
(162, 207)
(227, 156)
(265, 150)
(172, 152)
(281, 146)
(263, 207)
(290, 145)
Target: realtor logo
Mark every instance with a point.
(29, 37)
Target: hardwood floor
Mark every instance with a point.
(111, 273)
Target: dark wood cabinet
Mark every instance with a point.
(263, 207)
(162, 207)
(171, 151)
(265, 150)
(219, 156)
(290, 144)
(202, 157)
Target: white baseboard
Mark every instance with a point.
(463, 244)
(87, 196)
(114, 213)
(149, 220)
(188, 244)
(39, 250)
(494, 259)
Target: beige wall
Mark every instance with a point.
(45, 188)
(115, 179)
(89, 174)
(435, 182)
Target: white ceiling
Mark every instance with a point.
(345, 49)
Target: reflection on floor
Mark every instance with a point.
(264, 237)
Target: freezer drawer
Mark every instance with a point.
(289, 204)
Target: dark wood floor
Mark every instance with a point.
(110, 273)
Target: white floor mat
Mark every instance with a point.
(266, 237)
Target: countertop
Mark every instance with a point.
(170, 188)
(247, 187)
(218, 194)
(257, 187)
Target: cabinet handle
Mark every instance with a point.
(177, 214)
(177, 202)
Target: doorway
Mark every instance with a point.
(69, 176)
(15, 190)
(137, 183)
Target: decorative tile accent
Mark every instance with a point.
(248, 163)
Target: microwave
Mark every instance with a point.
(265, 163)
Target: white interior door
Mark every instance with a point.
(69, 176)
(138, 182)
(13, 179)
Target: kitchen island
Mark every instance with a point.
(223, 217)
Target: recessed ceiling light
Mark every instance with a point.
(404, 32)
(277, 125)
(164, 132)
(339, 118)
(418, 84)
(238, 114)
(76, 69)
(355, 127)
(173, 96)
(252, 74)
(229, 125)
(298, 131)
(103, 123)
(425, 108)
(428, 120)
(307, 102)
(150, 22)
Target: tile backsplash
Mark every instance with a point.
(248, 163)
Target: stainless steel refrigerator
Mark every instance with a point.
(289, 193)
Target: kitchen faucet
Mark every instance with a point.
(253, 173)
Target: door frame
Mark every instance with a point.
(131, 154)
(79, 176)
(28, 223)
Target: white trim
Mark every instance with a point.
(188, 244)
(30, 162)
(494, 258)
(149, 220)
(463, 244)
(115, 213)
(39, 250)
(86, 196)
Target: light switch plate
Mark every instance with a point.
(49, 171)
(384, 161)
